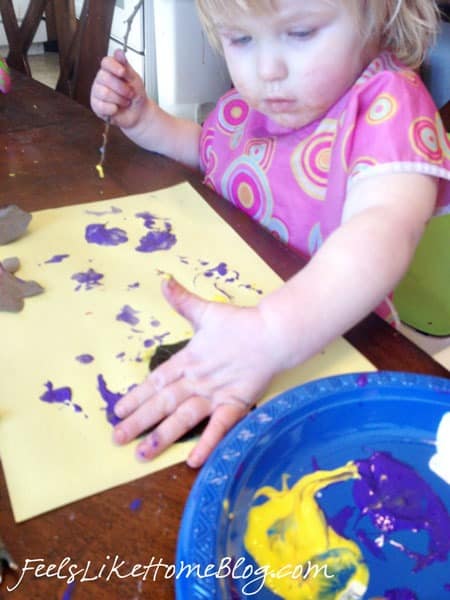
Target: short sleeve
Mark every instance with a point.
(393, 126)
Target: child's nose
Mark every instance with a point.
(271, 65)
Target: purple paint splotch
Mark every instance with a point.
(149, 219)
(61, 395)
(111, 399)
(89, 279)
(160, 338)
(156, 240)
(362, 380)
(68, 593)
(97, 233)
(135, 504)
(57, 258)
(56, 395)
(85, 359)
(220, 274)
(340, 521)
(160, 235)
(370, 544)
(221, 269)
(400, 594)
(128, 315)
(394, 496)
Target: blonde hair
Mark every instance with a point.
(405, 27)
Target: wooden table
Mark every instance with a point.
(49, 147)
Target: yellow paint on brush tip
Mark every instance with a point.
(100, 171)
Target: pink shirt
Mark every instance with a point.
(295, 181)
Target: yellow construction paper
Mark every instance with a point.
(52, 453)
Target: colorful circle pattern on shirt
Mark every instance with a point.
(233, 113)
(261, 150)
(208, 157)
(443, 137)
(425, 139)
(384, 108)
(310, 161)
(245, 183)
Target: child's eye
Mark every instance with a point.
(240, 40)
(302, 34)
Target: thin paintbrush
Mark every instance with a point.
(129, 23)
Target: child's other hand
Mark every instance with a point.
(220, 374)
(118, 92)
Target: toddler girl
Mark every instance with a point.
(330, 140)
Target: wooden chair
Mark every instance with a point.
(81, 42)
(445, 114)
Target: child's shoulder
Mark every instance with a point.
(386, 74)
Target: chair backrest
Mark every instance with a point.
(436, 69)
(81, 42)
(445, 114)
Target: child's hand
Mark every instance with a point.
(118, 92)
(221, 373)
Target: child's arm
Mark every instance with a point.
(118, 93)
(236, 351)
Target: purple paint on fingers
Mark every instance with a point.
(97, 233)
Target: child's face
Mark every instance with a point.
(295, 63)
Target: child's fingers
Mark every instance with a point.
(107, 103)
(135, 398)
(146, 406)
(106, 83)
(111, 65)
(187, 415)
(119, 66)
(221, 421)
(120, 56)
